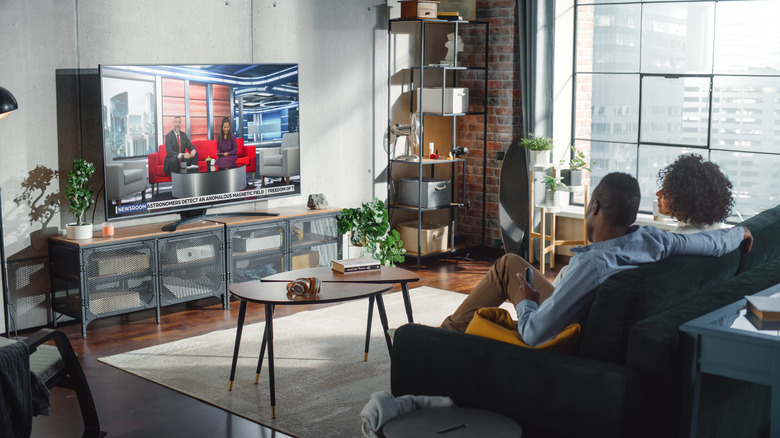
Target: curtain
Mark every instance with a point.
(536, 29)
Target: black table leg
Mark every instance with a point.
(239, 329)
(407, 302)
(262, 354)
(380, 304)
(269, 330)
(368, 329)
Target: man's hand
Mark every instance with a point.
(526, 292)
(187, 155)
(747, 242)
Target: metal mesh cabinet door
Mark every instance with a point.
(314, 242)
(66, 280)
(192, 266)
(119, 279)
(255, 252)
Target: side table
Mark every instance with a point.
(725, 343)
(451, 423)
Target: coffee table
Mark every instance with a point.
(190, 184)
(272, 294)
(383, 275)
(726, 343)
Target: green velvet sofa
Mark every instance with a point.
(625, 380)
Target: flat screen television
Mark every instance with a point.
(141, 103)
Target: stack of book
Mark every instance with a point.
(763, 312)
(355, 265)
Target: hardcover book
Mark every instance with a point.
(765, 308)
(355, 265)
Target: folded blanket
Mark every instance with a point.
(383, 406)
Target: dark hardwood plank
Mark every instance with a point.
(130, 406)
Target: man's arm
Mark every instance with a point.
(711, 243)
(568, 304)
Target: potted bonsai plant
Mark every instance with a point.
(78, 193)
(555, 189)
(578, 163)
(540, 148)
(369, 227)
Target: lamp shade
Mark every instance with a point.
(7, 102)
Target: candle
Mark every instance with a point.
(108, 229)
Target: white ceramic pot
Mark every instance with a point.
(554, 199)
(540, 158)
(79, 232)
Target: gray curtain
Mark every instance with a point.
(536, 30)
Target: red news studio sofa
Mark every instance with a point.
(206, 148)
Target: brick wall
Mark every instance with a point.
(504, 117)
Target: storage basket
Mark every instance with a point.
(435, 237)
(435, 193)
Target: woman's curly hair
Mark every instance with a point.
(696, 191)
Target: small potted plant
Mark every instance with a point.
(78, 193)
(369, 227)
(555, 189)
(573, 176)
(540, 147)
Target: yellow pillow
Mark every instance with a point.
(496, 323)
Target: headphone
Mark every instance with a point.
(306, 287)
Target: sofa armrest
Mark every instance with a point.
(549, 394)
(263, 153)
(291, 161)
(115, 180)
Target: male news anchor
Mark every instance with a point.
(178, 148)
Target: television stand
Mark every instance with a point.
(200, 214)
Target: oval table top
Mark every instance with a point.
(385, 274)
(272, 292)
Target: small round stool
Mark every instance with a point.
(451, 423)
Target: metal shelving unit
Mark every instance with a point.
(449, 80)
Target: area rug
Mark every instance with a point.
(322, 382)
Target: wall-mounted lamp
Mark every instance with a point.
(7, 103)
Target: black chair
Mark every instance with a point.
(58, 366)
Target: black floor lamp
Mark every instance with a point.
(7, 105)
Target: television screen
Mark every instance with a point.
(184, 137)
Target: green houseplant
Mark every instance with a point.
(78, 193)
(555, 189)
(578, 163)
(540, 149)
(369, 227)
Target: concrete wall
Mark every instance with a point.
(340, 46)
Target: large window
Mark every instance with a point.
(656, 79)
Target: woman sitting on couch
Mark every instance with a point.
(227, 149)
(695, 193)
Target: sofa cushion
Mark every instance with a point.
(496, 323)
(635, 294)
(765, 228)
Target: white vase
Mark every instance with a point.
(553, 199)
(78, 232)
(540, 159)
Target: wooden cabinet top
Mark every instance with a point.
(154, 230)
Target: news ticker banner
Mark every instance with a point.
(157, 205)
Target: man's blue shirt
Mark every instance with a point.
(594, 263)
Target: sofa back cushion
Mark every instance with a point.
(205, 148)
(635, 294)
(240, 147)
(765, 228)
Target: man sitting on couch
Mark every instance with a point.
(617, 246)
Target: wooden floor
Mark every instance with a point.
(130, 406)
